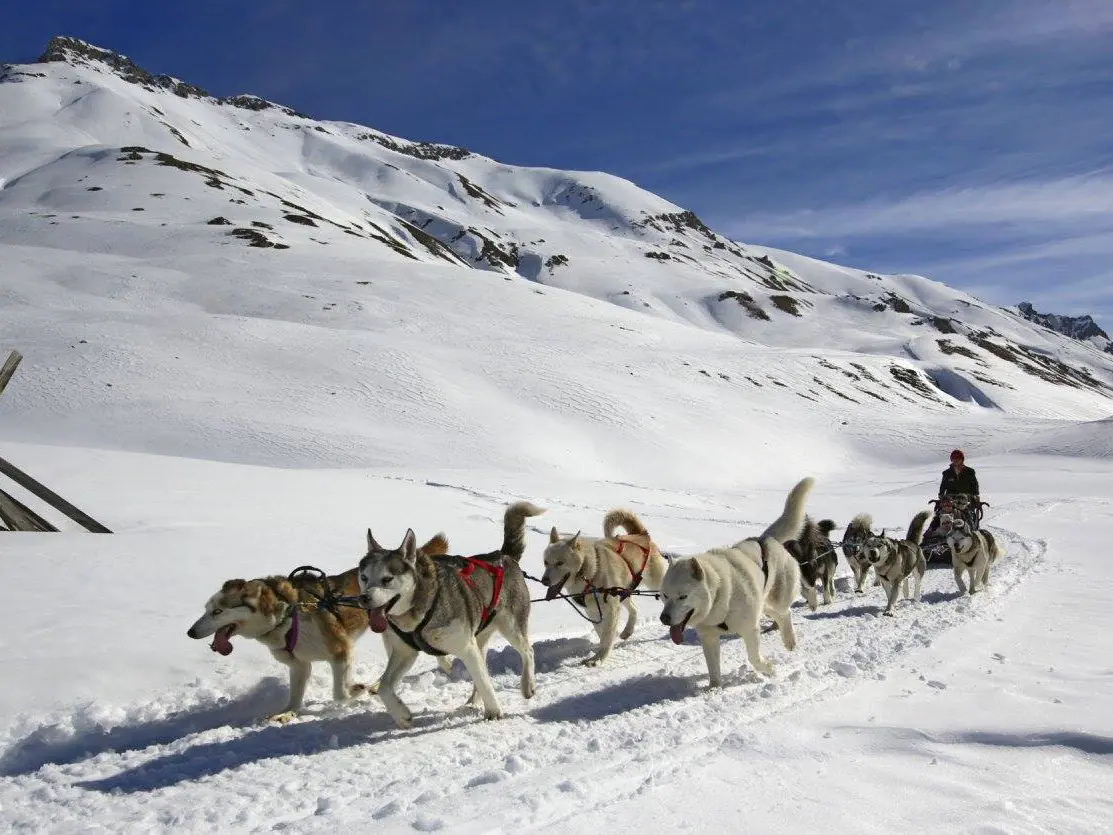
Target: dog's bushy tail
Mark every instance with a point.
(791, 521)
(514, 528)
(826, 526)
(436, 546)
(627, 520)
(916, 529)
(859, 527)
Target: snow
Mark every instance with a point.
(236, 412)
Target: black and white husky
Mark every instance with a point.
(817, 558)
(897, 560)
(972, 553)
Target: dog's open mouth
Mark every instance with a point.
(376, 618)
(221, 642)
(676, 631)
(555, 588)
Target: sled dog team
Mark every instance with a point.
(424, 601)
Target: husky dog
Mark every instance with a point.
(895, 561)
(283, 616)
(972, 553)
(580, 564)
(853, 541)
(728, 589)
(817, 558)
(449, 606)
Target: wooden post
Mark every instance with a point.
(8, 369)
(19, 517)
(51, 498)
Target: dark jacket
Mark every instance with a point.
(964, 482)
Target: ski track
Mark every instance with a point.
(199, 760)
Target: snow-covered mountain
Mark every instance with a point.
(1082, 328)
(241, 253)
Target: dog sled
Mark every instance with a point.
(952, 506)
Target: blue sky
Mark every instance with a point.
(967, 140)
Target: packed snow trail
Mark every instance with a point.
(200, 760)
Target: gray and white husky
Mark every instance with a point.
(854, 541)
(896, 560)
(449, 606)
(972, 553)
(725, 590)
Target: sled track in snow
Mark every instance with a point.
(195, 760)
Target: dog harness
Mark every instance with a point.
(763, 544)
(466, 567)
(292, 632)
(635, 576)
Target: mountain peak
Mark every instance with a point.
(1082, 328)
(70, 50)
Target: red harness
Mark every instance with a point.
(496, 572)
(635, 576)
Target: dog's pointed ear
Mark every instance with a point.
(697, 570)
(554, 537)
(574, 542)
(409, 546)
(372, 545)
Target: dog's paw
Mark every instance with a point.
(594, 661)
(626, 633)
(888, 613)
(528, 691)
(404, 721)
(446, 664)
(714, 684)
(283, 717)
(356, 690)
(491, 715)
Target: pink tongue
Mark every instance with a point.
(676, 632)
(220, 642)
(376, 619)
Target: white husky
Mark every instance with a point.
(972, 553)
(728, 589)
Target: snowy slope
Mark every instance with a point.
(383, 334)
(116, 189)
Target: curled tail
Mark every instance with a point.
(627, 519)
(436, 546)
(791, 521)
(826, 526)
(514, 528)
(916, 529)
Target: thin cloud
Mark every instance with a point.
(1056, 202)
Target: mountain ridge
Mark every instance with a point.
(1083, 328)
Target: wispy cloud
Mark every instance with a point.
(1059, 203)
